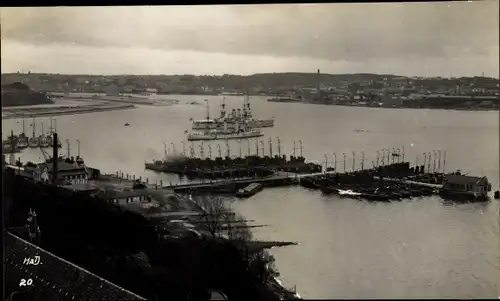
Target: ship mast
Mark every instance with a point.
(67, 142)
(34, 128)
(208, 115)
(249, 111)
(223, 110)
(270, 147)
(245, 100)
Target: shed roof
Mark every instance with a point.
(56, 278)
(463, 179)
(63, 166)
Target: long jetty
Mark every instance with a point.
(389, 167)
(278, 179)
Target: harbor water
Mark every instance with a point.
(418, 248)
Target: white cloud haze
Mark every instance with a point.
(457, 38)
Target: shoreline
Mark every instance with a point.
(68, 111)
(407, 108)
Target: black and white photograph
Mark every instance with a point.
(251, 151)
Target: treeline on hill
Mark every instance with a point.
(18, 94)
(125, 248)
(166, 83)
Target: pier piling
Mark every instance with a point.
(429, 161)
(55, 156)
(344, 161)
(353, 160)
(279, 146)
(335, 162)
(270, 147)
(362, 160)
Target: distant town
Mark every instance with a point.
(339, 89)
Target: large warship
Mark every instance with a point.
(226, 133)
(232, 119)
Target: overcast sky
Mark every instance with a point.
(426, 39)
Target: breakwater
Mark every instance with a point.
(14, 113)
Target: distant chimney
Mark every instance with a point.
(55, 156)
(318, 83)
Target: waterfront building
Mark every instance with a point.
(462, 185)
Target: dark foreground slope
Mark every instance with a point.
(54, 278)
(125, 248)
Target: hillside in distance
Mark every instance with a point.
(226, 82)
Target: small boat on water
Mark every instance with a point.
(249, 191)
(127, 124)
(309, 183)
(33, 142)
(22, 141)
(43, 141)
(79, 160)
(7, 149)
(51, 143)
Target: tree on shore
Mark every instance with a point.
(221, 221)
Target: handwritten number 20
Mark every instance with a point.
(25, 282)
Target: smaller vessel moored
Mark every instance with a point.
(43, 141)
(9, 146)
(33, 142)
(249, 191)
(22, 141)
(7, 149)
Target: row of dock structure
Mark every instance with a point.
(383, 183)
(232, 167)
(224, 150)
(279, 179)
(433, 161)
